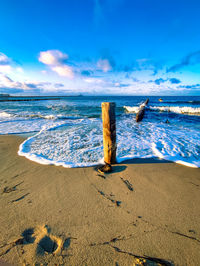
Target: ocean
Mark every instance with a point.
(68, 131)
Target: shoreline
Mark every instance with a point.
(44, 161)
(76, 216)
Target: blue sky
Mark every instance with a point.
(95, 47)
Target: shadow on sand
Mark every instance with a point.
(145, 161)
(120, 167)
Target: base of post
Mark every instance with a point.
(107, 168)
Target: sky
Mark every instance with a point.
(100, 47)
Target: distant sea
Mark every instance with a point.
(68, 131)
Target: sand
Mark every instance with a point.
(145, 211)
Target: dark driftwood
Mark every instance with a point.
(141, 111)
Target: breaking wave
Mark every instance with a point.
(177, 109)
(174, 109)
(4, 115)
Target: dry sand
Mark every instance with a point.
(144, 211)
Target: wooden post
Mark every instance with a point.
(140, 114)
(109, 132)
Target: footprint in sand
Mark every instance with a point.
(46, 242)
(28, 236)
(40, 241)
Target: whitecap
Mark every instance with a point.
(177, 109)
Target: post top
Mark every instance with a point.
(108, 103)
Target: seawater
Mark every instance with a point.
(68, 131)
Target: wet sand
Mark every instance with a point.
(146, 211)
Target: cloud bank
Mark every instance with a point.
(4, 60)
(94, 77)
(56, 60)
(5, 63)
(8, 85)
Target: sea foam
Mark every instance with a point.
(177, 109)
(68, 145)
(4, 114)
(174, 109)
(81, 145)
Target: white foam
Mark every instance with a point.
(174, 109)
(24, 126)
(41, 116)
(181, 150)
(132, 109)
(75, 146)
(22, 115)
(81, 144)
(177, 109)
(5, 114)
(50, 117)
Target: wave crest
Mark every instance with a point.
(131, 109)
(177, 109)
(4, 114)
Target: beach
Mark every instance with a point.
(99, 133)
(145, 211)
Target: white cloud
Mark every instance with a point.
(55, 59)
(8, 85)
(4, 60)
(94, 80)
(5, 69)
(7, 82)
(52, 57)
(63, 70)
(7, 66)
(44, 72)
(104, 65)
(19, 69)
